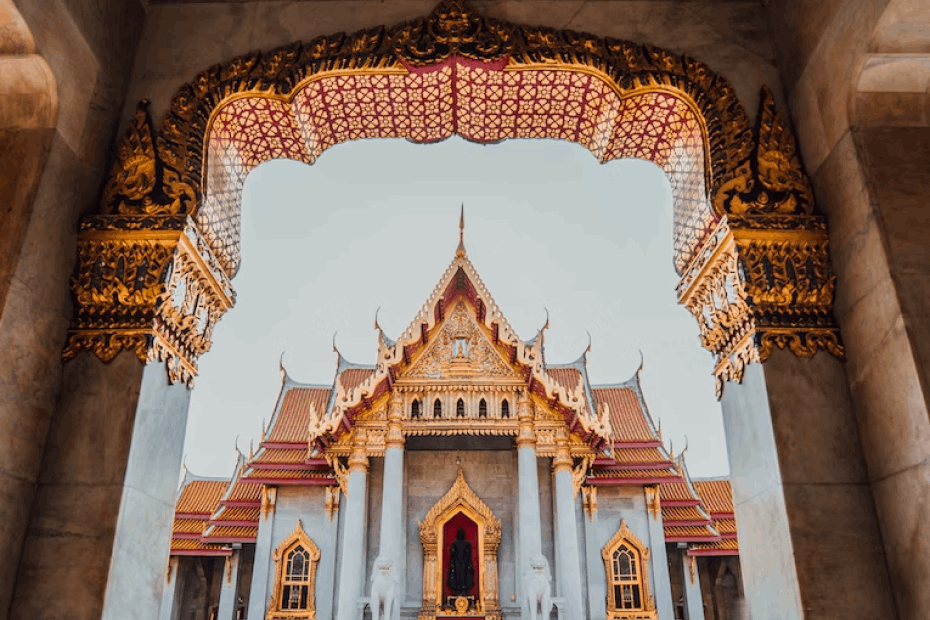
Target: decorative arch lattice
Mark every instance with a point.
(624, 545)
(453, 72)
(295, 560)
(155, 265)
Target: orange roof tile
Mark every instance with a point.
(225, 532)
(287, 474)
(200, 496)
(717, 495)
(566, 377)
(237, 514)
(627, 418)
(290, 425)
(682, 513)
(725, 526)
(242, 492)
(691, 531)
(189, 526)
(189, 544)
(639, 455)
(633, 473)
(290, 457)
(726, 544)
(351, 378)
(676, 492)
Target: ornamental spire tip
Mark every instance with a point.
(460, 251)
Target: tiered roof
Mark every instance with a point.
(717, 496)
(197, 499)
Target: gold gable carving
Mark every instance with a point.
(460, 350)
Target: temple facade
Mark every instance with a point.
(462, 475)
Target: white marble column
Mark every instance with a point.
(263, 567)
(229, 587)
(528, 500)
(392, 489)
(352, 568)
(661, 580)
(569, 569)
(691, 588)
(169, 603)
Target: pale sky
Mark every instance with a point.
(375, 223)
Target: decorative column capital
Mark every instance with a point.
(358, 460)
(563, 459)
(526, 436)
(394, 438)
(148, 283)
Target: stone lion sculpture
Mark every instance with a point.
(383, 590)
(537, 586)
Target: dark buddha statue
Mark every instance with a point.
(461, 577)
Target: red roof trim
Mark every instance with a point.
(231, 539)
(234, 523)
(637, 444)
(723, 515)
(241, 503)
(624, 482)
(708, 538)
(633, 466)
(679, 503)
(292, 482)
(682, 523)
(185, 536)
(300, 466)
(194, 516)
(729, 535)
(284, 445)
(201, 552)
(712, 551)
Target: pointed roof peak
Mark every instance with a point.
(460, 251)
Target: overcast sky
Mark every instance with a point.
(375, 223)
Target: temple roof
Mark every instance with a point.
(198, 498)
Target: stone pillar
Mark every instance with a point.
(594, 563)
(352, 567)
(392, 534)
(528, 501)
(229, 588)
(810, 544)
(169, 598)
(661, 580)
(691, 587)
(263, 565)
(147, 294)
(569, 569)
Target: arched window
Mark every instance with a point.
(625, 561)
(437, 408)
(483, 409)
(505, 409)
(295, 576)
(415, 410)
(295, 580)
(460, 408)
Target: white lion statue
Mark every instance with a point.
(537, 586)
(383, 590)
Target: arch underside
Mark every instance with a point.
(484, 102)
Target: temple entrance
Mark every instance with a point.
(461, 580)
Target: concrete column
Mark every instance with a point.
(263, 565)
(566, 532)
(352, 567)
(229, 587)
(597, 580)
(528, 484)
(691, 588)
(661, 580)
(810, 544)
(169, 598)
(392, 490)
(104, 506)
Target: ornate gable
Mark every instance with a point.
(460, 350)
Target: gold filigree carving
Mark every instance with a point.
(297, 538)
(624, 536)
(460, 498)
(332, 501)
(653, 502)
(453, 28)
(589, 501)
(147, 284)
(269, 497)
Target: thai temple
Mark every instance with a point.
(462, 475)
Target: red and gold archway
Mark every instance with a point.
(455, 72)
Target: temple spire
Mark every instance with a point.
(460, 251)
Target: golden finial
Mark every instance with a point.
(460, 251)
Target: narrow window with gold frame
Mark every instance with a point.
(625, 563)
(295, 578)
